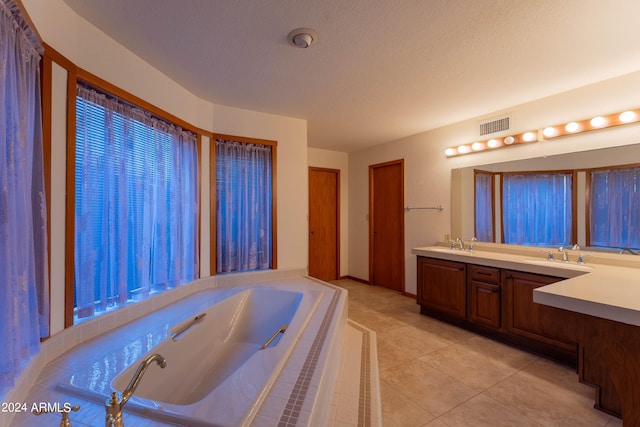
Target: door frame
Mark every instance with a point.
(372, 214)
(337, 172)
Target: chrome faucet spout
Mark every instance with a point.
(565, 254)
(142, 368)
(115, 403)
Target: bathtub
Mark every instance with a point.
(217, 372)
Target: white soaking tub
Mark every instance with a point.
(217, 372)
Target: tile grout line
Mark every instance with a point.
(289, 416)
(364, 400)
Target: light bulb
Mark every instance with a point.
(477, 146)
(627, 116)
(529, 136)
(449, 152)
(572, 127)
(549, 132)
(597, 122)
(509, 140)
(492, 143)
(463, 149)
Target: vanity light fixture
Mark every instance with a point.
(549, 132)
(595, 123)
(492, 143)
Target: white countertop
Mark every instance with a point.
(607, 291)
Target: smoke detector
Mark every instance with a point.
(302, 37)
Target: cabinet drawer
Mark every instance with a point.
(485, 274)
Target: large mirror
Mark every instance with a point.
(462, 183)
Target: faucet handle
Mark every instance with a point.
(580, 259)
(64, 422)
(549, 255)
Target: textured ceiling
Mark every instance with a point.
(381, 69)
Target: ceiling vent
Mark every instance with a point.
(495, 125)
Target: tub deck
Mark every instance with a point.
(300, 394)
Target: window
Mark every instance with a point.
(484, 200)
(538, 208)
(136, 204)
(614, 207)
(244, 205)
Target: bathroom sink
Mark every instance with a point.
(449, 250)
(559, 264)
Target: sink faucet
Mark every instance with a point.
(627, 250)
(565, 254)
(471, 243)
(115, 404)
(459, 243)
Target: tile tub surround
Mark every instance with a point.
(319, 386)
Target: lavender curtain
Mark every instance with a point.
(484, 206)
(244, 216)
(537, 208)
(136, 204)
(615, 208)
(24, 299)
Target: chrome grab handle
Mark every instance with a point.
(183, 329)
(275, 334)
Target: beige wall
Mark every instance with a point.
(428, 171)
(337, 160)
(99, 54)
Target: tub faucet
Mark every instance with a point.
(115, 403)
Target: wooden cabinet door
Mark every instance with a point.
(536, 321)
(442, 286)
(484, 303)
(484, 295)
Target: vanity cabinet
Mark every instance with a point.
(498, 303)
(546, 325)
(484, 295)
(442, 287)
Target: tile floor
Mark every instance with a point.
(434, 374)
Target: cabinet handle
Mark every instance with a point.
(509, 276)
(494, 290)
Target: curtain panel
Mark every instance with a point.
(24, 281)
(484, 206)
(136, 204)
(243, 206)
(615, 208)
(537, 209)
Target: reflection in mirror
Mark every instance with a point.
(463, 220)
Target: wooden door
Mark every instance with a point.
(386, 225)
(324, 223)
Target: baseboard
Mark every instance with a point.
(355, 279)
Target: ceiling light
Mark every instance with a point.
(597, 122)
(627, 116)
(302, 37)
